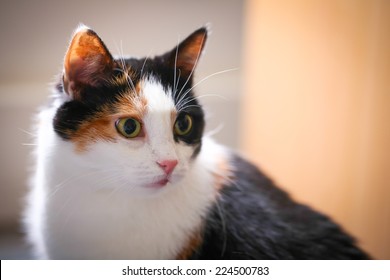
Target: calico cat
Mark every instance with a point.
(123, 171)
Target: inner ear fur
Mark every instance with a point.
(88, 63)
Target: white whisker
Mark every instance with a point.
(211, 75)
(182, 105)
(120, 188)
(223, 223)
(175, 83)
(27, 132)
(73, 179)
(194, 66)
(182, 97)
(143, 66)
(215, 131)
(124, 69)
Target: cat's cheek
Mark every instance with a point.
(185, 153)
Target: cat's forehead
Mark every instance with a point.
(144, 96)
(158, 98)
(153, 81)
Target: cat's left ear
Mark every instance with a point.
(185, 56)
(88, 63)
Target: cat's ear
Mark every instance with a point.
(185, 56)
(88, 63)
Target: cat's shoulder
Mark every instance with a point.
(253, 218)
(239, 174)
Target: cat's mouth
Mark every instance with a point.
(159, 183)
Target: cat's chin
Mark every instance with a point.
(153, 189)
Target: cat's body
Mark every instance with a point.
(124, 172)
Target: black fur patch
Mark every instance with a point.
(253, 219)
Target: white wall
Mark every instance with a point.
(34, 37)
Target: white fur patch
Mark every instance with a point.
(158, 121)
(97, 205)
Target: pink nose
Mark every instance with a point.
(167, 165)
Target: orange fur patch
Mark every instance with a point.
(96, 129)
(194, 242)
(224, 174)
(132, 106)
(173, 116)
(102, 125)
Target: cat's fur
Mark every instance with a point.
(98, 195)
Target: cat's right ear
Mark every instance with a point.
(88, 63)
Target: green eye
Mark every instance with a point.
(183, 125)
(128, 127)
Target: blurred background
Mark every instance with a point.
(309, 101)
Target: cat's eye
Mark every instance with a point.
(183, 125)
(128, 127)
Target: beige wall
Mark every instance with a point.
(316, 109)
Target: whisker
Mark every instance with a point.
(182, 105)
(76, 177)
(27, 132)
(182, 97)
(119, 188)
(143, 66)
(190, 106)
(124, 67)
(215, 131)
(107, 180)
(223, 223)
(211, 75)
(194, 66)
(178, 79)
(128, 78)
(174, 69)
(176, 86)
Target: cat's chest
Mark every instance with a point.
(106, 224)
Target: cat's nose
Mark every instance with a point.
(167, 165)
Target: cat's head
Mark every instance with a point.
(138, 118)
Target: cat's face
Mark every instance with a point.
(136, 119)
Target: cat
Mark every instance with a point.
(124, 171)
